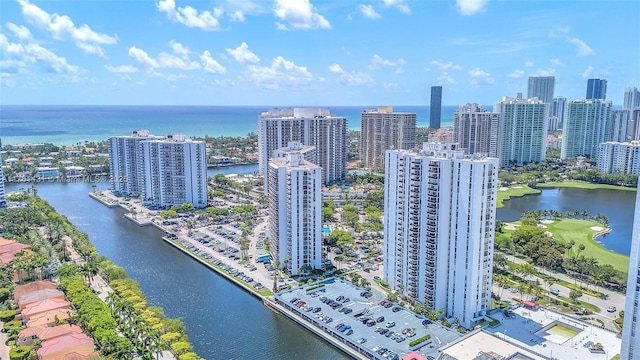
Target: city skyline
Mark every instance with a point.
(189, 52)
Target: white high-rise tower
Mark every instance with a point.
(439, 218)
(587, 124)
(523, 130)
(295, 205)
(125, 162)
(384, 130)
(630, 328)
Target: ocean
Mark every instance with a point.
(70, 125)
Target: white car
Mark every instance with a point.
(611, 309)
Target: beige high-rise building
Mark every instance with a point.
(315, 127)
(476, 130)
(384, 130)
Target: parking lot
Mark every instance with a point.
(364, 320)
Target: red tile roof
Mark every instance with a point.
(21, 290)
(39, 295)
(59, 347)
(43, 306)
(47, 333)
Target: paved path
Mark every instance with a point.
(614, 298)
(4, 348)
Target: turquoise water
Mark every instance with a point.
(69, 125)
(326, 230)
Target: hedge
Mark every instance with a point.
(420, 340)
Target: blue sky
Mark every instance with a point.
(310, 52)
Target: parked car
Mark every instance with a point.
(611, 309)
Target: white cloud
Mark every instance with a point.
(62, 27)
(528, 63)
(544, 72)
(377, 62)
(17, 57)
(557, 62)
(169, 77)
(237, 16)
(560, 31)
(445, 78)
(205, 20)
(211, 65)
(480, 77)
(471, 7)
(587, 73)
(336, 69)
(445, 66)
(583, 48)
(281, 74)
(398, 4)
(242, 54)
(123, 69)
(368, 11)
(356, 79)
(353, 78)
(516, 74)
(19, 30)
(142, 57)
(300, 14)
(179, 59)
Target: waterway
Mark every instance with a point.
(617, 205)
(222, 321)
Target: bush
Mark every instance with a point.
(420, 340)
(13, 325)
(7, 315)
(19, 353)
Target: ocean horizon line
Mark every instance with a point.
(164, 105)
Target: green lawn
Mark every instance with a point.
(583, 185)
(519, 191)
(579, 231)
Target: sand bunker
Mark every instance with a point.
(510, 226)
(503, 189)
(596, 228)
(546, 221)
(541, 226)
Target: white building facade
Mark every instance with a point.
(630, 329)
(315, 127)
(295, 208)
(439, 222)
(382, 130)
(586, 126)
(622, 157)
(175, 171)
(126, 162)
(523, 130)
(476, 130)
(3, 200)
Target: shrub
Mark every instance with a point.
(13, 325)
(7, 315)
(420, 340)
(19, 353)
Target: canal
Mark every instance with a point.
(222, 321)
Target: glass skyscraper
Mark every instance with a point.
(596, 89)
(436, 107)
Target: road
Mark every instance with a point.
(614, 298)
